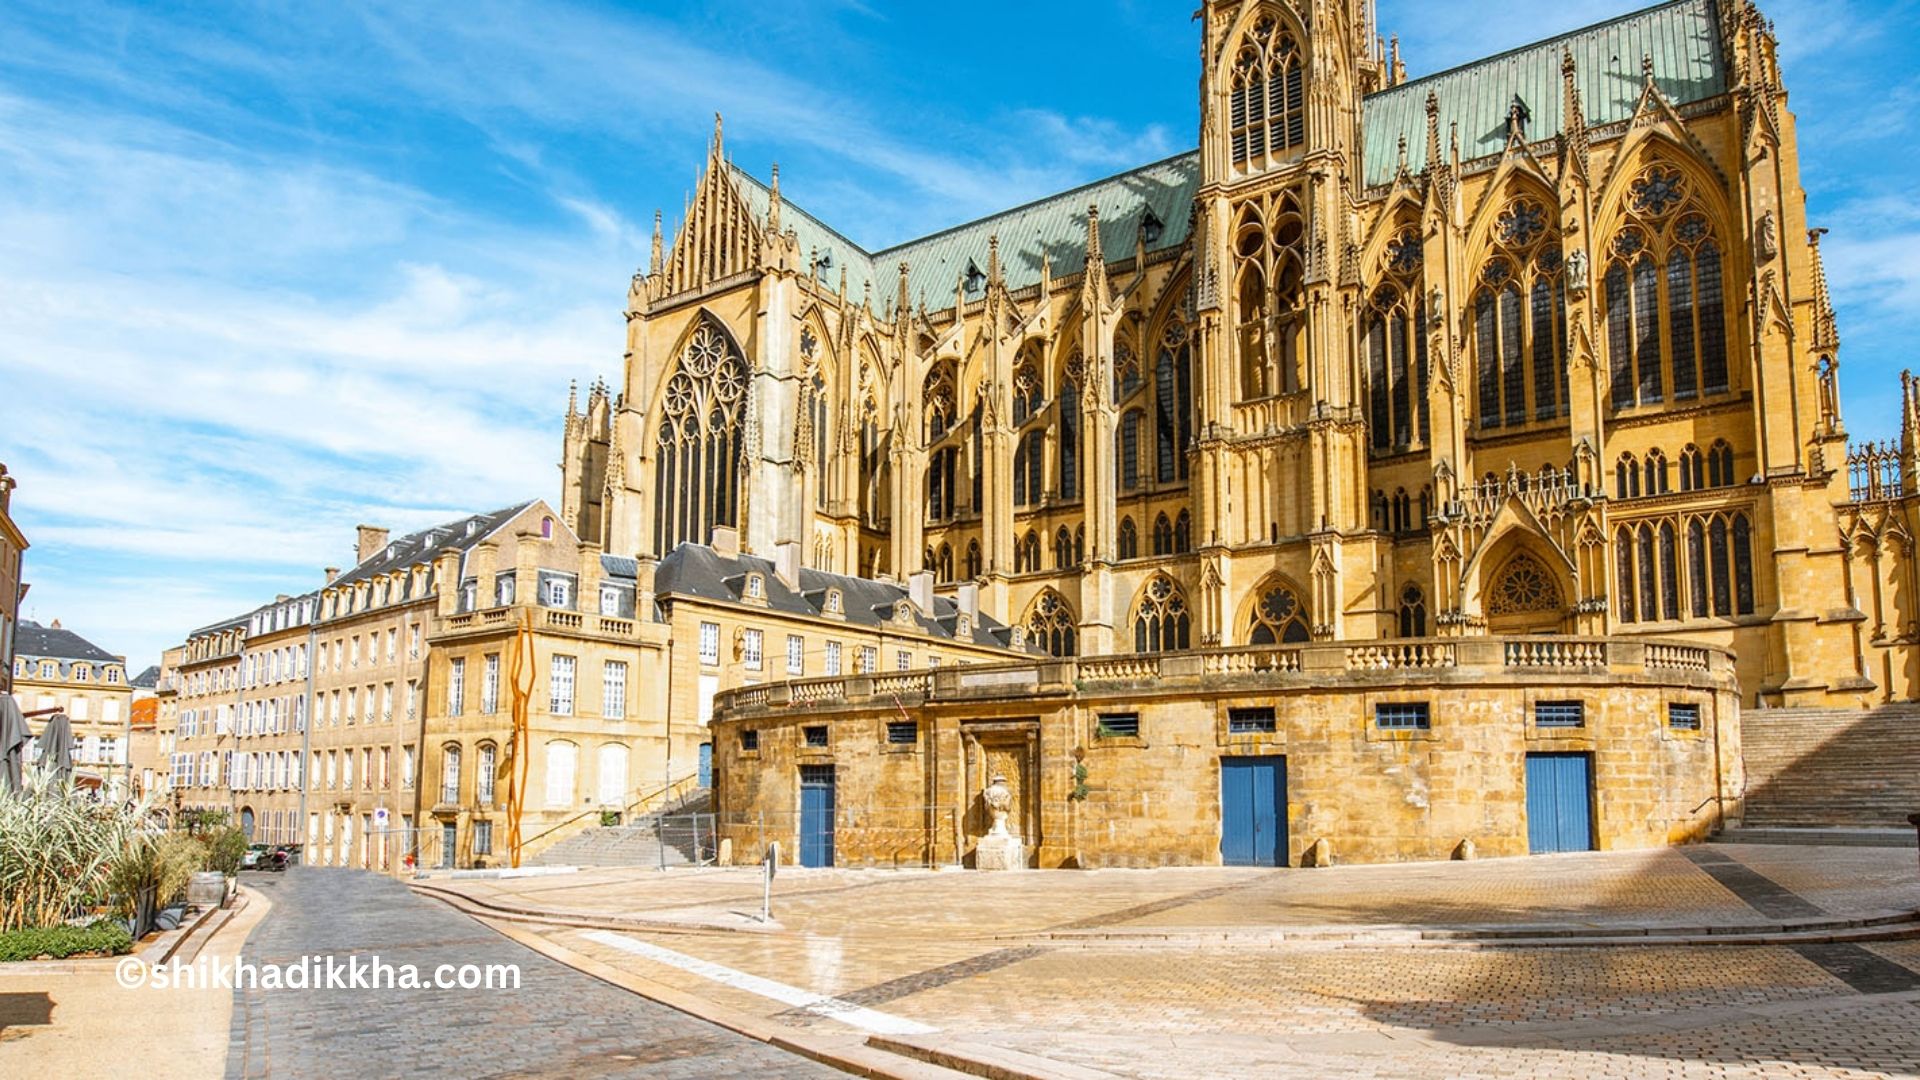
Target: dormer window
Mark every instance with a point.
(82, 673)
(503, 590)
(976, 281)
(1151, 227)
(834, 604)
(756, 587)
(963, 627)
(469, 595)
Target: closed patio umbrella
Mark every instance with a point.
(13, 742)
(56, 747)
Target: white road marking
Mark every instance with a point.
(820, 1004)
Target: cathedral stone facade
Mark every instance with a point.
(1537, 346)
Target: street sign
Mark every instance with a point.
(380, 818)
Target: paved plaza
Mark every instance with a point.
(559, 1023)
(1413, 970)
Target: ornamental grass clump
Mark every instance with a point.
(152, 873)
(57, 849)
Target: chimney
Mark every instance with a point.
(332, 573)
(920, 590)
(786, 563)
(56, 624)
(371, 539)
(726, 540)
(968, 599)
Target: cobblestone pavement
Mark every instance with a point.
(962, 953)
(559, 1023)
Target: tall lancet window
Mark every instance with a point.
(1268, 100)
(697, 475)
(1396, 351)
(1519, 320)
(1665, 296)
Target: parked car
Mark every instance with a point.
(256, 856)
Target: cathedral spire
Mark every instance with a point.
(658, 259)
(1826, 327)
(773, 202)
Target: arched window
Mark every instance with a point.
(697, 475)
(1396, 350)
(1027, 397)
(940, 482)
(1669, 573)
(1720, 464)
(1126, 367)
(1173, 388)
(1050, 625)
(1693, 475)
(1624, 577)
(1665, 297)
(1720, 562)
(1129, 453)
(1079, 543)
(1269, 274)
(562, 756)
(1413, 612)
(1626, 477)
(1028, 459)
(1656, 472)
(945, 567)
(1160, 622)
(1519, 321)
(483, 777)
(938, 398)
(1278, 618)
(1026, 553)
(1183, 533)
(1129, 539)
(1069, 456)
(449, 774)
(1267, 97)
(1524, 585)
(1162, 535)
(611, 769)
(973, 559)
(1063, 549)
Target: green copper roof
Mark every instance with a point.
(1683, 38)
(1054, 227)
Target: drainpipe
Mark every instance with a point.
(306, 733)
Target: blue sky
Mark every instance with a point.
(268, 271)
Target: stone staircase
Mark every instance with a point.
(654, 840)
(1832, 768)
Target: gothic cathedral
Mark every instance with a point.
(1539, 345)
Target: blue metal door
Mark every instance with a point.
(1559, 803)
(706, 764)
(1253, 800)
(816, 815)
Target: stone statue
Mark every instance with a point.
(1765, 237)
(1577, 271)
(999, 799)
(999, 849)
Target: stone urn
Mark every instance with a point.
(999, 849)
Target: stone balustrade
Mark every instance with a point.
(1317, 663)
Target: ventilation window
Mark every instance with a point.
(1560, 714)
(815, 736)
(1683, 716)
(1119, 726)
(1402, 716)
(749, 739)
(1250, 721)
(903, 732)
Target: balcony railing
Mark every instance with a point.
(1315, 664)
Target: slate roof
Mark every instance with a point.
(148, 679)
(1682, 37)
(38, 642)
(458, 535)
(423, 546)
(695, 570)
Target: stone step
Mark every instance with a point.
(1817, 837)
